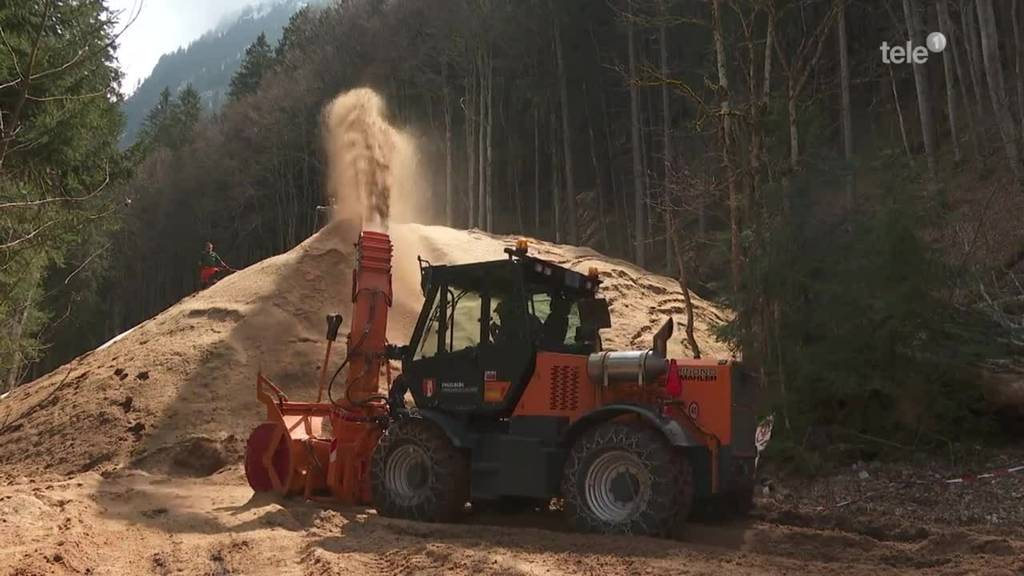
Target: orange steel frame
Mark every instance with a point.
(294, 431)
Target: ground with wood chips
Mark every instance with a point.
(126, 460)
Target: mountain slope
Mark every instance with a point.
(207, 63)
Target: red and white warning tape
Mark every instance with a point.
(968, 478)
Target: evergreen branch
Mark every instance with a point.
(14, 59)
(86, 262)
(19, 103)
(35, 232)
(32, 203)
(67, 279)
(74, 97)
(83, 51)
(60, 68)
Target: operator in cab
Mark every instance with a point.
(509, 324)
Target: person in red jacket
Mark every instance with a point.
(210, 264)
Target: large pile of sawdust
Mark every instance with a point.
(176, 393)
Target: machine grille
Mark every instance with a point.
(565, 395)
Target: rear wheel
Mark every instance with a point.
(626, 479)
(417, 474)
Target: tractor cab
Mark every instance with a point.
(474, 346)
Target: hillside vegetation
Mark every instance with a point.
(862, 218)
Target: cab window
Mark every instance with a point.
(463, 320)
(559, 317)
(457, 314)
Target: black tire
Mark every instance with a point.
(626, 479)
(416, 473)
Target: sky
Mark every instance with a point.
(162, 26)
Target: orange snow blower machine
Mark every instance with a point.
(290, 452)
(514, 402)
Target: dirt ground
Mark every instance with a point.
(126, 460)
(133, 522)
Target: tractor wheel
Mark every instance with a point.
(418, 474)
(626, 479)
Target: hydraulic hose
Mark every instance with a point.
(351, 351)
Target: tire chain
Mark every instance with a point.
(449, 473)
(671, 480)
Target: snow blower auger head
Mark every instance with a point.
(290, 453)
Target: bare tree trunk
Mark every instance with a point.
(666, 128)
(570, 182)
(638, 182)
(684, 285)
(619, 200)
(518, 199)
(726, 116)
(962, 79)
(648, 117)
(489, 176)
(997, 91)
(620, 203)
(536, 170)
(470, 110)
(924, 100)
(797, 74)
(967, 20)
(844, 109)
(947, 65)
(769, 41)
(1018, 42)
(598, 173)
(481, 187)
(899, 115)
(760, 108)
(556, 192)
(449, 203)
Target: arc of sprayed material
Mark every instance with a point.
(362, 146)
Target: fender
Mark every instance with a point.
(453, 428)
(676, 434)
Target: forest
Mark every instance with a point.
(862, 217)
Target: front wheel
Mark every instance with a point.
(416, 473)
(626, 479)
